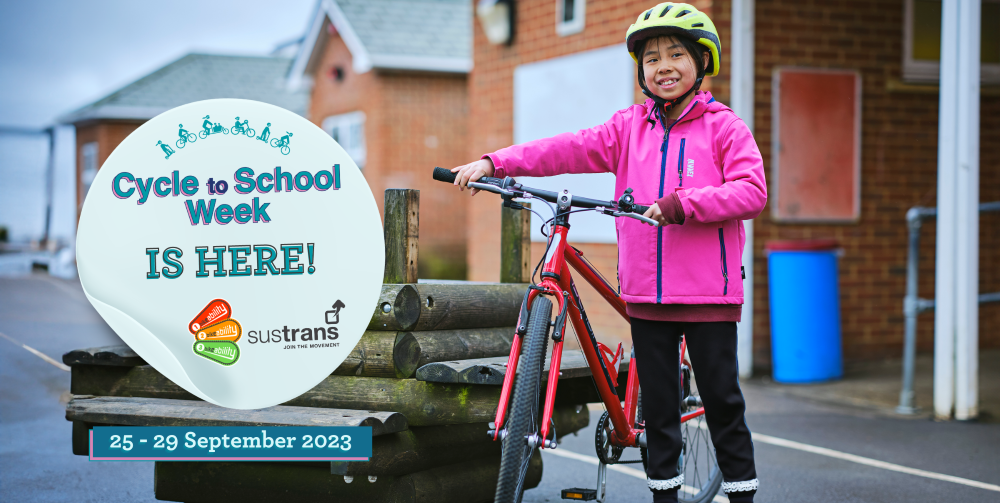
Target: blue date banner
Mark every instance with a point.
(230, 443)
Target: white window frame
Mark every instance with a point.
(89, 167)
(565, 28)
(350, 134)
(929, 72)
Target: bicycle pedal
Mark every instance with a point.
(579, 494)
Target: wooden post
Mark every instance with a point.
(515, 245)
(402, 229)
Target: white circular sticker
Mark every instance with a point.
(236, 247)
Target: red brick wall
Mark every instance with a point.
(414, 122)
(899, 155)
(898, 170)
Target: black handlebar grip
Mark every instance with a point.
(640, 209)
(444, 175)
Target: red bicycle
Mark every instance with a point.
(528, 427)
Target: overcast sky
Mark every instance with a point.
(56, 56)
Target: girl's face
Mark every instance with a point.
(668, 67)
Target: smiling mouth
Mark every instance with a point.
(667, 83)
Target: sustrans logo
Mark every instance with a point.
(299, 335)
(690, 171)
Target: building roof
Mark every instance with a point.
(421, 35)
(197, 77)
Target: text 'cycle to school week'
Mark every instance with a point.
(236, 247)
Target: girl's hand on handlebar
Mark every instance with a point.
(654, 213)
(472, 172)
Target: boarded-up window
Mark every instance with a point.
(816, 156)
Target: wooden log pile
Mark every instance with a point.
(426, 376)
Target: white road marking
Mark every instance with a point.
(639, 474)
(36, 352)
(822, 451)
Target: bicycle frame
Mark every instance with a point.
(557, 281)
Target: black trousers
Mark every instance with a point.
(712, 351)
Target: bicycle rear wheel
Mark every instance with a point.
(702, 477)
(525, 412)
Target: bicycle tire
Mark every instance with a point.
(275, 142)
(690, 434)
(643, 452)
(250, 132)
(180, 143)
(191, 138)
(285, 150)
(702, 477)
(525, 413)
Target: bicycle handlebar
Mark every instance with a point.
(624, 207)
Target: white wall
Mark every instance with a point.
(567, 94)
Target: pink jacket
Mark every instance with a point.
(708, 157)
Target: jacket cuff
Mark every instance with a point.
(671, 208)
(498, 169)
(685, 206)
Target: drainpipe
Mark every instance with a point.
(741, 90)
(956, 324)
(967, 215)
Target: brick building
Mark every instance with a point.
(897, 145)
(390, 84)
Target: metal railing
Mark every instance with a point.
(914, 305)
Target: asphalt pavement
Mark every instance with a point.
(53, 316)
(36, 458)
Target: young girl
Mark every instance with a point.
(695, 159)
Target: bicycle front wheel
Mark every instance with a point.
(525, 413)
(285, 150)
(250, 132)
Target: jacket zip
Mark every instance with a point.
(663, 175)
(725, 269)
(680, 165)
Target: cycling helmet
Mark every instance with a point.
(679, 19)
(682, 19)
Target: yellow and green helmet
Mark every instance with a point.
(669, 18)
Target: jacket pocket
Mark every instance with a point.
(725, 270)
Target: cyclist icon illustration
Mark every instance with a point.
(242, 127)
(283, 143)
(184, 137)
(166, 149)
(265, 133)
(206, 127)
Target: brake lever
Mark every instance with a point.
(490, 188)
(640, 218)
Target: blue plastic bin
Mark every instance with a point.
(805, 311)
